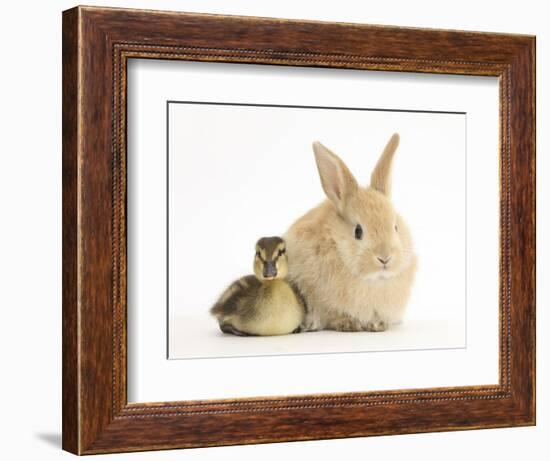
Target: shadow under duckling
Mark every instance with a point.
(263, 304)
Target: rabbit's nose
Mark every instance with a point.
(385, 260)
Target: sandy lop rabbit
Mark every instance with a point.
(352, 256)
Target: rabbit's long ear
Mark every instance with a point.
(336, 179)
(381, 175)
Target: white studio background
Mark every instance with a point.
(30, 248)
(432, 341)
(238, 173)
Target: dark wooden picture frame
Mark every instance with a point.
(97, 43)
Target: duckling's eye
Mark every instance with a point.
(358, 232)
(282, 252)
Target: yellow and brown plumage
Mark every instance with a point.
(264, 303)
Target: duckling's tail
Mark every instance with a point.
(217, 310)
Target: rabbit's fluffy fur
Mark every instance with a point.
(352, 280)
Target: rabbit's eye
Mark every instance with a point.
(395, 227)
(358, 232)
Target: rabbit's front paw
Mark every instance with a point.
(347, 323)
(310, 323)
(376, 324)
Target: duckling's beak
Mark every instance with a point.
(270, 271)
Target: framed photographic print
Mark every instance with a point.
(282, 230)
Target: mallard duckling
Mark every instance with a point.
(264, 303)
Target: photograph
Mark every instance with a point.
(302, 230)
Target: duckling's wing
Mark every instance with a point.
(250, 282)
(229, 301)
